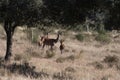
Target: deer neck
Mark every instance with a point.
(57, 37)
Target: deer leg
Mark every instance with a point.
(61, 51)
(52, 46)
(43, 45)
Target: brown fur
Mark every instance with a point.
(48, 41)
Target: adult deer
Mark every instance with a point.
(49, 41)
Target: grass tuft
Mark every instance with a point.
(79, 37)
(49, 54)
(17, 57)
(103, 38)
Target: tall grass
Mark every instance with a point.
(103, 37)
(33, 35)
(79, 37)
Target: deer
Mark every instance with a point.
(49, 41)
(62, 46)
(40, 42)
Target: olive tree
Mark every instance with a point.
(15, 13)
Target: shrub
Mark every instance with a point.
(98, 65)
(70, 69)
(118, 66)
(102, 31)
(71, 57)
(105, 78)
(32, 35)
(35, 39)
(35, 54)
(104, 38)
(112, 60)
(79, 55)
(17, 57)
(49, 54)
(80, 37)
(26, 57)
(60, 60)
(63, 76)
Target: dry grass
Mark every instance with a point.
(98, 65)
(60, 60)
(17, 57)
(63, 76)
(69, 58)
(70, 69)
(79, 37)
(103, 38)
(111, 60)
(71, 65)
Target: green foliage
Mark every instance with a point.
(33, 35)
(19, 12)
(49, 54)
(104, 38)
(102, 32)
(15, 13)
(80, 37)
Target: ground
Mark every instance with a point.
(81, 60)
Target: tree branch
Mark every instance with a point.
(6, 26)
(13, 27)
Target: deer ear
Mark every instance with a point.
(59, 32)
(39, 36)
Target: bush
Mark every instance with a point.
(71, 57)
(63, 76)
(70, 69)
(60, 60)
(105, 78)
(32, 35)
(98, 65)
(35, 54)
(17, 57)
(112, 60)
(104, 38)
(80, 37)
(49, 54)
(26, 57)
(102, 31)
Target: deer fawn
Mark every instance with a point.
(62, 46)
(49, 41)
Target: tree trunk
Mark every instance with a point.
(8, 46)
(9, 29)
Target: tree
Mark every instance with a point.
(70, 11)
(114, 16)
(15, 13)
